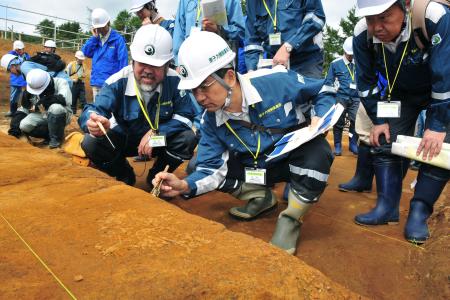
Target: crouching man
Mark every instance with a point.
(152, 116)
(45, 109)
(246, 116)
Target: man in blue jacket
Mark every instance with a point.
(151, 116)
(106, 47)
(341, 79)
(417, 78)
(246, 115)
(289, 31)
(190, 18)
(16, 82)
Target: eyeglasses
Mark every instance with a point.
(204, 86)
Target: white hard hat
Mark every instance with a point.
(200, 55)
(99, 18)
(18, 45)
(50, 44)
(137, 5)
(7, 59)
(37, 81)
(80, 55)
(372, 7)
(348, 45)
(152, 45)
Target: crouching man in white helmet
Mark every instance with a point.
(46, 104)
(246, 115)
(153, 117)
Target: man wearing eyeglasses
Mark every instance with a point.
(151, 116)
(246, 115)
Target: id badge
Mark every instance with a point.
(255, 176)
(157, 141)
(353, 86)
(195, 29)
(388, 109)
(275, 39)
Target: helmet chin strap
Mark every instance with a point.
(227, 87)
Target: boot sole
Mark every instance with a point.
(416, 242)
(243, 216)
(387, 223)
(355, 191)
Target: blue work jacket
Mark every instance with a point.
(300, 23)
(186, 19)
(423, 71)
(341, 78)
(118, 98)
(107, 59)
(18, 80)
(272, 97)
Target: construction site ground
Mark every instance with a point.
(103, 239)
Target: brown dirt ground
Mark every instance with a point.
(375, 262)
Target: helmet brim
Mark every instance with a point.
(100, 25)
(190, 84)
(135, 9)
(152, 61)
(373, 10)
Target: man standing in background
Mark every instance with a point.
(75, 70)
(106, 47)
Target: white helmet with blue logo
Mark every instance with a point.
(152, 45)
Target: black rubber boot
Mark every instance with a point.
(40, 131)
(362, 180)
(159, 165)
(120, 169)
(56, 125)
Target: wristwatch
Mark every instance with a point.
(288, 47)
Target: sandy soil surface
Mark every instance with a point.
(105, 240)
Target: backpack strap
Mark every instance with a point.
(419, 28)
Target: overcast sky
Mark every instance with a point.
(78, 10)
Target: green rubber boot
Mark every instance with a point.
(287, 230)
(259, 200)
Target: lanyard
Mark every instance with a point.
(144, 110)
(198, 13)
(274, 19)
(352, 74)
(255, 156)
(391, 87)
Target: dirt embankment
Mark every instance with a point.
(106, 240)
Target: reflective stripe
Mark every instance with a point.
(211, 182)
(174, 156)
(327, 88)
(253, 47)
(366, 93)
(440, 96)
(182, 120)
(309, 173)
(314, 18)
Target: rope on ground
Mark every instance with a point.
(371, 231)
(72, 296)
